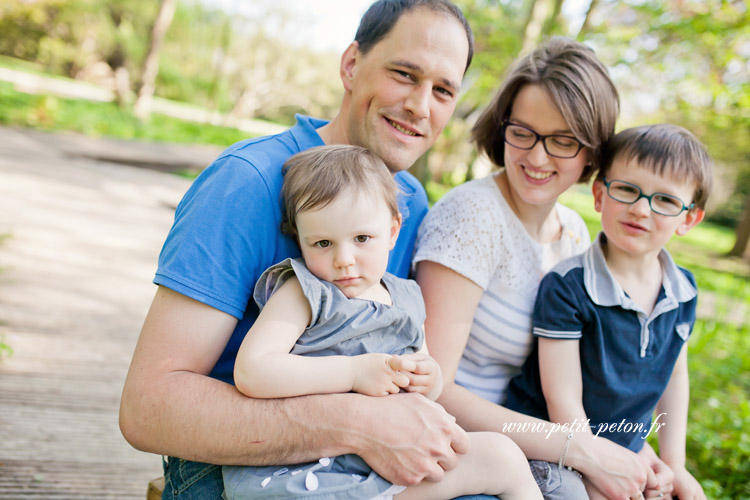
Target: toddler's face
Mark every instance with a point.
(347, 242)
(635, 228)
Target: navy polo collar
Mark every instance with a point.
(605, 291)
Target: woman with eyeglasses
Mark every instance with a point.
(484, 247)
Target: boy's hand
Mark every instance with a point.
(664, 475)
(423, 372)
(686, 487)
(377, 375)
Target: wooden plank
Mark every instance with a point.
(75, 284)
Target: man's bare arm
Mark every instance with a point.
(170, 406)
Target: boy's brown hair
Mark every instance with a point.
(665, 150)
(316, 177)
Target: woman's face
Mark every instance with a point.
(535, 177)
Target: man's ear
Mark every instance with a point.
(693, 217)
(348, 65)
(395, 229)
(599, 190)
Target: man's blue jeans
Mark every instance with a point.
(186, 480)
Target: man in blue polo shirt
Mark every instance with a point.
(401, 78)
(612, 323)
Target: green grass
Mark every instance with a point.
(27, 67)
(98, 119)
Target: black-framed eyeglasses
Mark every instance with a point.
(660, 203)
(559, 146)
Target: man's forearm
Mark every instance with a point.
(405, 437)
(198, 418)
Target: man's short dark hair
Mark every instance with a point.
(380, 18)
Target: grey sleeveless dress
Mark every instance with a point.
(339, 326)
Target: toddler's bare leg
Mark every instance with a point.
(494, 465)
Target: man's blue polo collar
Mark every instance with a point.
(305, 131)
(605, 291)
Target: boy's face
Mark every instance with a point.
(347, 242)
(635, 229)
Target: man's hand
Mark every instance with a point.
(378, 374)
(407, 438)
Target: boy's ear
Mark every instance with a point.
(395, 229)
(348, 64)
(599, 190)
(693, 217)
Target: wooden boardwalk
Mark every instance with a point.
(79, 240)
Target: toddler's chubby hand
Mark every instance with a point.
(424, 374)
(379, 374)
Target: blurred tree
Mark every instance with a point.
(84, 39)
(272, 78)
(208, 57)
(163, 20)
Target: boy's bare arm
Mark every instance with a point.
(674, 406)
(562, 383)
(170, 406)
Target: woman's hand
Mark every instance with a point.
(664, 474)
(615, 471)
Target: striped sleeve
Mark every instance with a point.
(557, 311)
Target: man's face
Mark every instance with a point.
(404, 90)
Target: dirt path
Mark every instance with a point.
(79, 239)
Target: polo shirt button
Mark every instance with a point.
(325, 461)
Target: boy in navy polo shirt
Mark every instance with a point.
(612, 323)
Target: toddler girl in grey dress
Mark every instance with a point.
(335, 321)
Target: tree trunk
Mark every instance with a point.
(586, 26)
(552, 19)
(151, 65)
(122, 86)
(741, 247)
(541, 10)
(220, 64)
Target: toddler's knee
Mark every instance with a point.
(500, 449)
